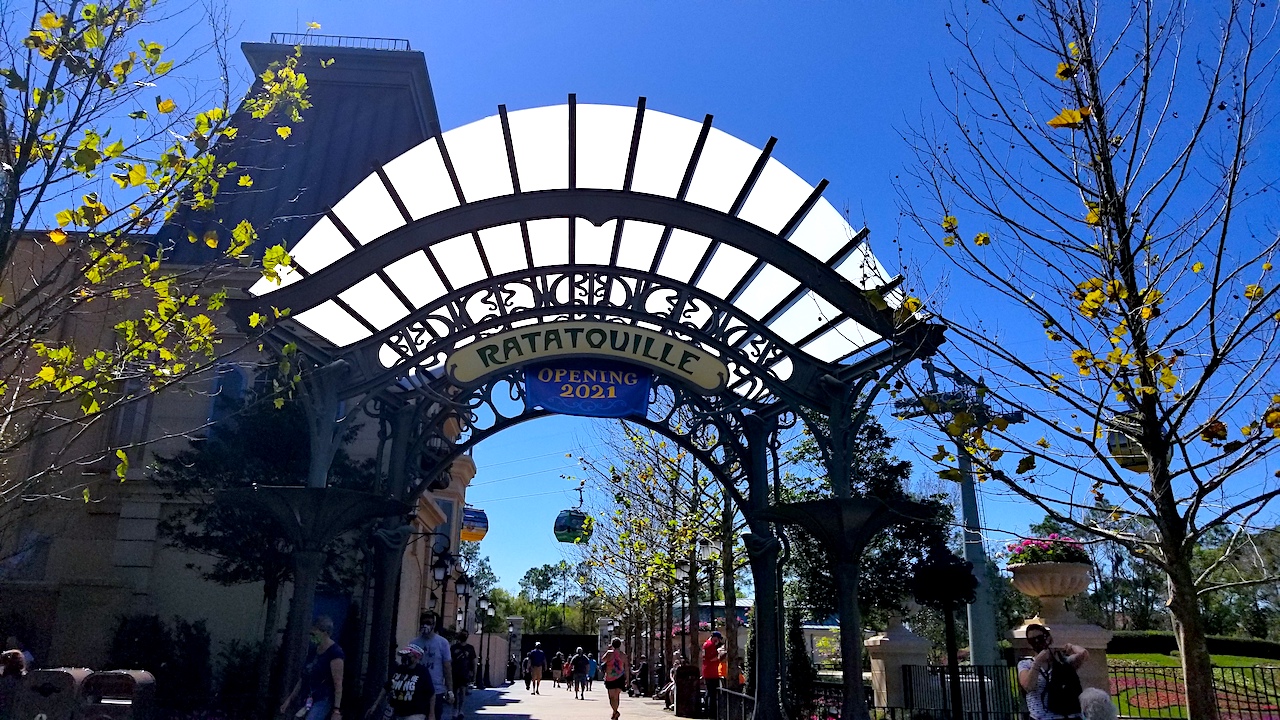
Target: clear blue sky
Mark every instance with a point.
(833, 81)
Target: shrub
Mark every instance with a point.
(1163, 642)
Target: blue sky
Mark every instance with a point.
(834, 81)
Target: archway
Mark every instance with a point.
(632, 235)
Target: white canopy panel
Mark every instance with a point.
(472, 163)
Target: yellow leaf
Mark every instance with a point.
(284, 132)
(1042, 443)
(912, 304)
(982, 239)
(211, 238)
(1093, 218)
(949, 240)
(313, 25)
(255, 320)
(1071, 119)
(949, 223)
(1065, 71)
(245, 181)
(1253, 292)
(1197, 267)
(47, 374)
(57, 237)
(166, 106)
(1266, 266)
(137, 175)
(49, 21)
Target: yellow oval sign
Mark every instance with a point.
(588, 339)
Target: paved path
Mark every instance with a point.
(512, 701)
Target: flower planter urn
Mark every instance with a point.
(1052, 583)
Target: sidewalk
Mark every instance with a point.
(512, 701)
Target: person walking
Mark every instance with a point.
(526, 673)
(537, 660)
(1049, 678)
(579, 664)
(592, 669)
(437, 657)
(711, 671)
(321, 681)
(463, 659)
(557, 667)
(617, 671)
(409, 691)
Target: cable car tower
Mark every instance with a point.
(967, 396)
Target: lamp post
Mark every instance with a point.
(709, 552)
(462, 587)
(440, 570)
(488, 641)
(682, 575)
(482, 606)
(511, 639)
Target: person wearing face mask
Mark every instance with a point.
(321, 681)
(438, 661)
(1049, 677)
(409, 692)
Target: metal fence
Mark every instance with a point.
(344, 41)
(1244, 693)
(736, 705)
(987, 692)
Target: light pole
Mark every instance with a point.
(709, 552)
(511, 638)
(682, 574)
(440, 571)
(462, 586)
(482, 607)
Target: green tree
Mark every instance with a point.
(1092, 171)
(99, 148)
(537, 587)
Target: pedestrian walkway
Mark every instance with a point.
(513, 701)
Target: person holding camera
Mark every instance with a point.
(1049, 678)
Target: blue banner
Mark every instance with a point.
(591, 388)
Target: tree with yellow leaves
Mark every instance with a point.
(102, 139)
(1116, 159)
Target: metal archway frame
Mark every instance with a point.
(598, 207)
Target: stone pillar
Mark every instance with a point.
(890, 651)
(1052, 584)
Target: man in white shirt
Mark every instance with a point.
(437, 658)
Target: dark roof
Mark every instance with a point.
(367, 107)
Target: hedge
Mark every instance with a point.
(1163, 642)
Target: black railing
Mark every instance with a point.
(735, 705)
(343, 41)
(987, 692)
(1244, 693)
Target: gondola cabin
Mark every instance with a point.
(1125, 450)
(475, 524)
(573, 526)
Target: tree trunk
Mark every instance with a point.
(1188, 626)
(854, 706)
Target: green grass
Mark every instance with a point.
(1172, 661)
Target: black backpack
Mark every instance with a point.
(1061, 694)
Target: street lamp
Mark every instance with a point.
(440, 570)
(483, 605)
(708, 552)
(462, 587)
(682, 576)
